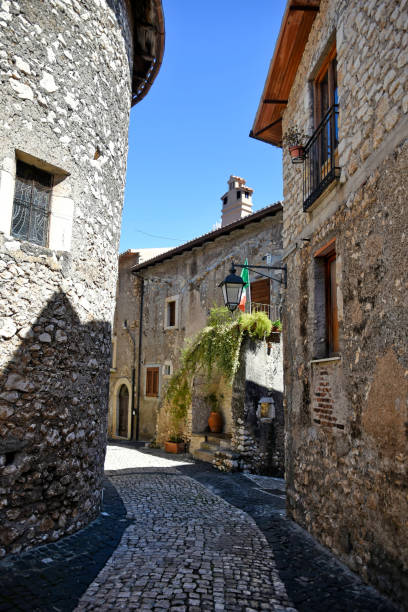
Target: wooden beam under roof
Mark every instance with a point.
(294, 32)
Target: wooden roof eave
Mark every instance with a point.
(148, 18)
(295, 28)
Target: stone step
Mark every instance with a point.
(210, 447)
(203, 455)
(222, 445)
(218, 439)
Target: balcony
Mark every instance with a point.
(271, 310)
(321, 158)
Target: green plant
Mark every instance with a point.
(294, 136)
(216, 346)
(175, 438)
(277, 325)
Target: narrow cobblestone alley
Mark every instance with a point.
(181, 536)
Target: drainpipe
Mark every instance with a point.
(132, 403)
(139, 366)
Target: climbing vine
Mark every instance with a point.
(217, 346)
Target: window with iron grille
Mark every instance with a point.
(31, 205)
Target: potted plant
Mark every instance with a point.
(175, 444)
(215, 418)
(294, 139)
(276, 326)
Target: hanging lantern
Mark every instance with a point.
(232, 287)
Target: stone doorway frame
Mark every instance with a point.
(115, 411)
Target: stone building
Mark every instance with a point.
(166, 300)
(70, 72)
(339, 73)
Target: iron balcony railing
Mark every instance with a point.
(321, 158)
(272, 310)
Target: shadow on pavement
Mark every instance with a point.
(55, 576)
(315, 581)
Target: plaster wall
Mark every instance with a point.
(124, 343)
(347, 472)
(65, 102)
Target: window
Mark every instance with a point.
(326, 298)
(332, 326)
(321, 160)
(238, 195)
(31, 205)
(167, 369)
(36, 203)
(152, 382)
(325, 87)
(247, 194)
(171, 315)
(225, 200)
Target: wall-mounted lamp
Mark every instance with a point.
(233, 284)
(232, 287)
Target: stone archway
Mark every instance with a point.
(121, 409)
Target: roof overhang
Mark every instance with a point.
(295, 28)
(255, 217)
(148, 45)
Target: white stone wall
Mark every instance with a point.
(65, 102)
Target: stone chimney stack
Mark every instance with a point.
(237, 202)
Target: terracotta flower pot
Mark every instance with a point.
(297, 153)
(215, 422)
(175, 447)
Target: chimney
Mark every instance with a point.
(237, 202)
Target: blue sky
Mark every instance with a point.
(191, 130)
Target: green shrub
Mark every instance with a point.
(217, 346)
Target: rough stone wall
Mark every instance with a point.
(65, 100)
(372, 46)
(346, 466)
(192, 278)
(258, 443)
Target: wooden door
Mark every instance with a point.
(261, 292)
(123, 411)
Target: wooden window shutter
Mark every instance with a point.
(152, 382)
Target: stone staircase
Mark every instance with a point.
(203, 446)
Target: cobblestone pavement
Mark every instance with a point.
(186, 549)
(172, 540)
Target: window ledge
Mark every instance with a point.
(324, 359)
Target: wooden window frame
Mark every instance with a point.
(332, 320)
(152, 381)
(327, 253)
(327, 67)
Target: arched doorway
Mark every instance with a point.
(123, 411)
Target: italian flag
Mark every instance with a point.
(245, 290)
